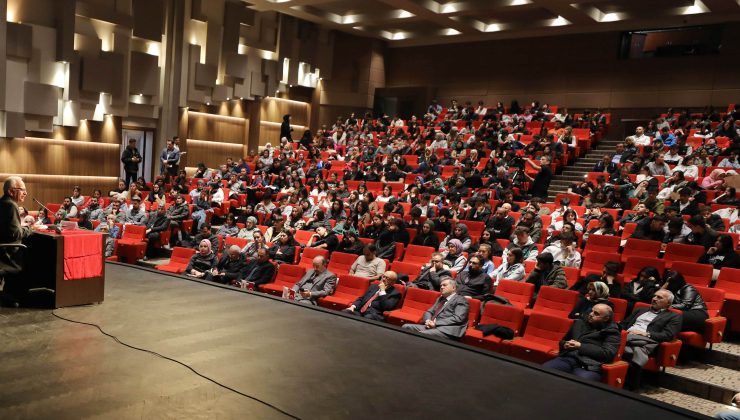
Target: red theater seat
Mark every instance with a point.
(341, 262)
(714, 326)
(418, 254)
(593, 262)
(694, 273)
(554, 301)
(410, 269)
(729, 281)
(309, 254)
(635, 264)
(507, 316)
(602, 243)
(179, 260)
(541, 340)
(132, 245)
(416, 302)
(682, 252)
(640, 248)
(348, 289)
(615, 373)
(518, 293)
(287, 276)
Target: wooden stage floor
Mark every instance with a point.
(310, 363)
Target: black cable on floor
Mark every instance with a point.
(179, 363)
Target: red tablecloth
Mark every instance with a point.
(83, 254)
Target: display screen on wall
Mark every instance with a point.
(676, 42)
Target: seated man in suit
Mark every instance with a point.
(647, 328)
(432, 273)
(12, 231)
(316, 283)
(229, 268)
(448, 317)
(588, 344)
(379, 298)
(260, 270)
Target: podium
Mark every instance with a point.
(70, 264)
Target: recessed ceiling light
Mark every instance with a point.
(519, 2)
(493, 27)
(402, 14)
(559, 21)
(610, 17)
(697, 8)
(449, 8)
(451, 31)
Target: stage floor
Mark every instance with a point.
(312, 364)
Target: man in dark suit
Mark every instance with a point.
(448, 317)
(12, 232)
(647, 328)
(684, 206)
(260, 270)
(588, 344)
(606, 165)
(316, 283)
(379, 298)
(131, 159)
(157, 223)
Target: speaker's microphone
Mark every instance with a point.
(41, 204)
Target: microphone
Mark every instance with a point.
(41, 204)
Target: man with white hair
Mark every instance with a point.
(12, 231)
(316, 283)
(229, 268)
(647, 328)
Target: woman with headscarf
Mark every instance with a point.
(203, 261)
(687, 299)
(596, 292)
(425, 235)
(460, 232)
(438, 187)
(714, 180)
(454, 257)
(249, 229)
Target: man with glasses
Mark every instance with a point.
(379, 298)
(12, 231)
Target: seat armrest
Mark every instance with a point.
(667, 353)
(714, 329)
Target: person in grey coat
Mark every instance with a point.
(448, 317)
(316, 283)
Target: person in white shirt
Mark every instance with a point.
(640, 138)
(659, 167)
(440, 142)
(687, 167)
(565, 252)
(217, 196)
(511, 268)
(368, 265)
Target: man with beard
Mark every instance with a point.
(473, 282)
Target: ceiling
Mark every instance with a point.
(430, 22)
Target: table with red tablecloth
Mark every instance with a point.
(83, 254)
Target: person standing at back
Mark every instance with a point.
(131, 159)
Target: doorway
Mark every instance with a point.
(144, 142)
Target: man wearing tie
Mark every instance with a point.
(316, 283)
(12, 232)
(448, 317)
(379, 298)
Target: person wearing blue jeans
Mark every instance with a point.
(588, 344)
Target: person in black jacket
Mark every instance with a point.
(379, 298)
(12, 231)
(588, 344)
(203, 261)
(131, 159)
(425, 236)
(687, 299)
(285, 129)
(260, 270)
(641, 288)
(283, 248)
(157, 223)
(229, 268)
(651, 228)
(721, 254)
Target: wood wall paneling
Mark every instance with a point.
(213, 153)
(218, 128)
(59, 157)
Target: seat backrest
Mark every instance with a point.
(694, 273)
(635, 264)
(341, 261)
(603, 243)
(595, 260)
(519, 293)
(353, 285)
(682, 252)
(571, 275)
(290, 273)
(729, 280)
(181, 255)
(554, 301)
(547, 329)
(419, 299)
(714, 298)
(418, 253)
(136, 232)
(233, 240)
(473, 312)
(508, 316)
(620, 308)
(309, 254)
(410, 269)
(641, 248)
(302, 236)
